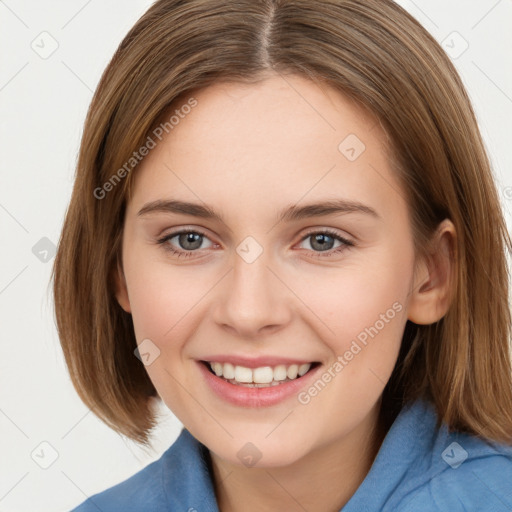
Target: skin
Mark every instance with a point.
(249, 151)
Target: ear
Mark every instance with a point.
(434, 277)
(121, 290)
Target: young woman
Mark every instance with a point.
(284, 226)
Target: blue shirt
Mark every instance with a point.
(418, 469)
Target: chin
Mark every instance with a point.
(259, 453)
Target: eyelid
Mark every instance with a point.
(180, 231)
(200, 231)
(330, 231)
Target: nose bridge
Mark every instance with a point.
(253, 298)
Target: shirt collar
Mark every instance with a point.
(187, 476)
(410, 455)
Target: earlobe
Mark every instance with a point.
(434, 278)
(121, 290)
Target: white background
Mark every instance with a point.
(43, 106)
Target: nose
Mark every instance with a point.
(254, 299)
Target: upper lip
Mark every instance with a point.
(255, 362)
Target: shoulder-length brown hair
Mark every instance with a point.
(377, 54)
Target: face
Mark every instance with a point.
(264, 291)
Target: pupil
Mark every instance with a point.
(190, 238)
(320, 239)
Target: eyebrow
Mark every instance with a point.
(289, 214)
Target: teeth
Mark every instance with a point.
(227, 371)
(263, 376)
(217, 368)
(280, 372)
(303, 368)
(292, 372)
(243, 374)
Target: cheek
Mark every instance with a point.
(161, 296)
(162, 301)
(372, 306)
(364, 307)
(368, 332)
(370, 321)
(360, 295)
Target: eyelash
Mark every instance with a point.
(346, 244)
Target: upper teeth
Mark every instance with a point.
(261, 375)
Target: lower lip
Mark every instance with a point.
(255, 397)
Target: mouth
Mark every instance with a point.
(260, 377)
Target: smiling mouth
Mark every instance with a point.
(262, 377)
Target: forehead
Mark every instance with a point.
(275, 141)
(280, 109)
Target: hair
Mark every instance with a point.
(377, 55)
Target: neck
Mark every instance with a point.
(324, 480)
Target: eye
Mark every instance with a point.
(189, 241)
(322, 242)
